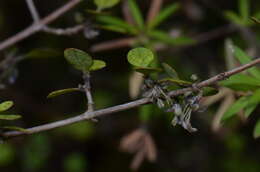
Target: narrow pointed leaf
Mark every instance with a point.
(78, 59)
(244, 9)
(236, 107)
(170, 71)
(164, 14)
(43, 53)
(147, 70)
(102, 4)
(176, 81)
(244, 59)
(257, 130)
(113, 28)
(61, 92)
(241, 82)
(233, 17)
(97, 64)
(6, 105)
(140, 57)
(9, 117)
(117, 22)
(14, 128)
(249, 109)
(166, 38)
(136, 13)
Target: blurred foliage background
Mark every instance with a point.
(95, 147)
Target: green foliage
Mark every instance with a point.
(147, 70)
(209, 91)
(102, 4)
(175, 81)
(116, 23)
(78, 59)
(75, 162)
(136, 13)
(7, 154)
(170, 71)
(36, 152)
(6, 105)
(257, 130)
(140, 57)
(243, 59)
(97, 65)
(145, 112)
(163, 15)
(236, 107)
(166, 38)
(61, 92)
(9, 117)
(43, 53)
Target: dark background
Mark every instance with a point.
(95, 146)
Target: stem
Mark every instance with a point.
(33, 11)
(36, 27)
(87, 88)
(93, 114)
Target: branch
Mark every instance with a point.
(33, 11)
(87, 89)
(36, 27)
(89, 115)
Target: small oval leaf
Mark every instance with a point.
(78, 59)
(140, 57)
(147, 70)
(170, 71)
(63, 91)
(10, 117)
(97, 64)
(176, 81)
(102, 4)
(6, 105)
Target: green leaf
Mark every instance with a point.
(140, 57)
(145, 112)
(97, 64)
(9, 117)
(147, 70)
(113, 28)
(209, 91)
(249, 109)
(14, 128)
(60, 92)
(236, 107)
(43, 53)
(6, 105)
(241, 82)
(233, 17)
(136, 13)
(244, 9)
(244, 59)
(166, 38)
(164, 14)
(102, 4)
(176, 81)
(170, 71)
(78, 59)
(257, 130)
(117, 23)
(255, 98)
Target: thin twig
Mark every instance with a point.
(87, 89)
(36, 27)
(66, 31)
(33, 10)
(133, 104)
